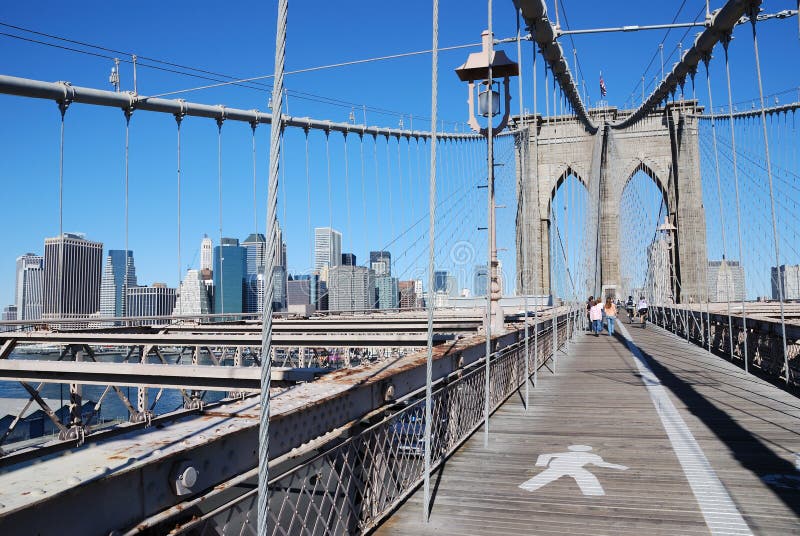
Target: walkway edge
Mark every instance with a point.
(718, 509)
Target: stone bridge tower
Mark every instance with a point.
(664, 145)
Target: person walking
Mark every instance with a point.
(589, 304)
(596, 316)
(610, 311)
(642, 307)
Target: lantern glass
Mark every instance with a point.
(483, 102)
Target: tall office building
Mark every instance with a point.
(28, 289)
(387, 291)
(256, 246)
(310, 284)
(789, 278)
(327, 247)
(657, 279)
(230, 268)
(419, 292)
(72, 273)
(118, 275)
(479, 280)
(440, 281)
(9, 315)
(192, 296)
(451, 287)
(349, 259)
(206, 253)
(351, 288)
(408, 295)
(380, 262)
(255, 291)
(155, 300)
(725, 281)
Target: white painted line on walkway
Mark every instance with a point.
(716, 505)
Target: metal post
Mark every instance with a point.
(555, 341)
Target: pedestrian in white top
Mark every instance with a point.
(596, 316)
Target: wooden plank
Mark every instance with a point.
(746, 428)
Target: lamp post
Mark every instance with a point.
(483, 67)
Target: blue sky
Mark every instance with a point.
(238, 39)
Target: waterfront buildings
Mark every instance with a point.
(230, 267)
(28, 288)
(349, 259)
(155, 300)
(387, 291)
(380, 262)
(72, 273)
(206, 253)
(789, 278)
(118, 275)
(725, 281)
(351, 288)
(440, 281)
(327, 247)
(480, 280)
(408, 295)
(192, 296)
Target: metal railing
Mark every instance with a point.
(759, 347)
(353, 486)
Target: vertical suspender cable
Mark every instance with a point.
(431, 253)
(253, 125)
(128, 112)
(347, 194)
(729, 278)
(178, 121)
(221, 288)
(523, 146)
(725, 43)
(276, 135)
(753, 16)
(62, 107)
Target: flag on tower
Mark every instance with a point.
(602, 86)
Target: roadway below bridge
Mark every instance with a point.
(644, 435)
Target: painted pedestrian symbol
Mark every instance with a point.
(570, 464)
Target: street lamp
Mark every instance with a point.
(483, 67)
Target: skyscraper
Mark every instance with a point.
(408, 296)
(192, 297)
(327, 247)
(230, 267)
(386, 288)
(9, 315)
(72, 273)
(380, 262)
(206, 253)
(28, 289)
(480, 280)
(309, 284)
(725, 281)
(349, 259)
(440, 281)
(351, 288)
(256, 246)
(118, 275)
(789, 278)
(155, 300)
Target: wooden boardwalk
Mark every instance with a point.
(745, 428)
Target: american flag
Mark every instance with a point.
(602, 86)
